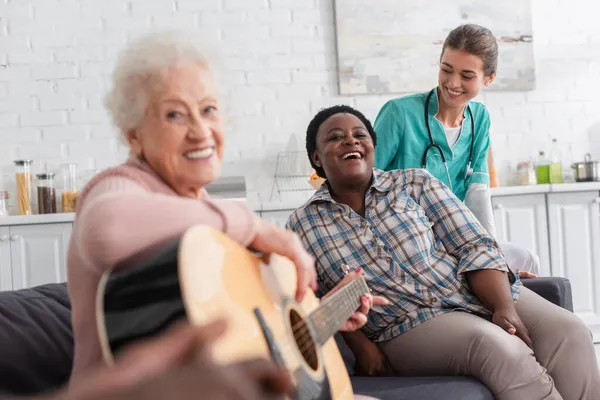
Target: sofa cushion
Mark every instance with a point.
(36, 342)
(426, 388)
(554, 289)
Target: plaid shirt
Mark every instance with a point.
(415, 243)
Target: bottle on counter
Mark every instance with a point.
(24, 189)
(542, 169)
(3, 203)
(70, 192)
(555, 168)
(46, 193)
(527, 173)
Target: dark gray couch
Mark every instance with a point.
(36, 347)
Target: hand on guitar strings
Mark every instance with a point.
(367, 301)
(178, 365)
(272, 239)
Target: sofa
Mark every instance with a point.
(36, 348)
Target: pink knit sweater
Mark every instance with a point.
(121, 212)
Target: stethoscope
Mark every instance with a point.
(432, 143)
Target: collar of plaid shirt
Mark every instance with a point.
(415, 244)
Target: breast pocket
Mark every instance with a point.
(409, 213)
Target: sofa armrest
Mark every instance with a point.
(555, 290)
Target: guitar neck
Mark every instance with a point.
(336, 309)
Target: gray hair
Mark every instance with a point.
(139, 64)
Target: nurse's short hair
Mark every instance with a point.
(320, 118)
(477, 40)
(138, 68)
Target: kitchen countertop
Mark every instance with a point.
(533, 189)
(293, 202)
(37, 219)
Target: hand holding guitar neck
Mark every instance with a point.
(359, 318)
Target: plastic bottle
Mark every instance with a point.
(3, 203)
(542, 169)
(555, 171)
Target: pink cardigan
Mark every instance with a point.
(121, 212)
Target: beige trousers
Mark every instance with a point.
(562, 364)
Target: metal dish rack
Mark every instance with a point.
(292, 172)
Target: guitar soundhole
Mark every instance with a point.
(304, 340)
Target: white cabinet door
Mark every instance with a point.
(278, 217)
(38, 253)
(5, 264)
(575, 236)
(521, 219)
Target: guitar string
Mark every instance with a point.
(303, 337)
(354, 291)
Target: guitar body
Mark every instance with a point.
(206, 275)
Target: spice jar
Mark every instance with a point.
(3, 204)
(70, 192)
(46, 193)
(24, 189)
(527, 173)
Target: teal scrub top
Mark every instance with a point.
(402, 137)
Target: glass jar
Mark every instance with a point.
(3, 203)
(46, 194)
(70, 192)
(24, 189)
(527, 173)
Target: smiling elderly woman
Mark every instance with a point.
(164, 102)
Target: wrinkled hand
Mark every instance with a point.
(177, 364)
(359, 318)
(508, 319)
(271, 239)
(527, 274)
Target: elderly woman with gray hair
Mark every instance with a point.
(165, 104)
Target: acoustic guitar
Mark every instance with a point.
(204, 275)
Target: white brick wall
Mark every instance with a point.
(279, 59)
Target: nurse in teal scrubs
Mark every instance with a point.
(446, 132)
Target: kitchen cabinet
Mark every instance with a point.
(38, 254)
(522, 219)
(277, 217)
(5, 265)
(563, 229)
(574, 225)
(33, 250)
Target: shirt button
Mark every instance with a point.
(432, 300)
